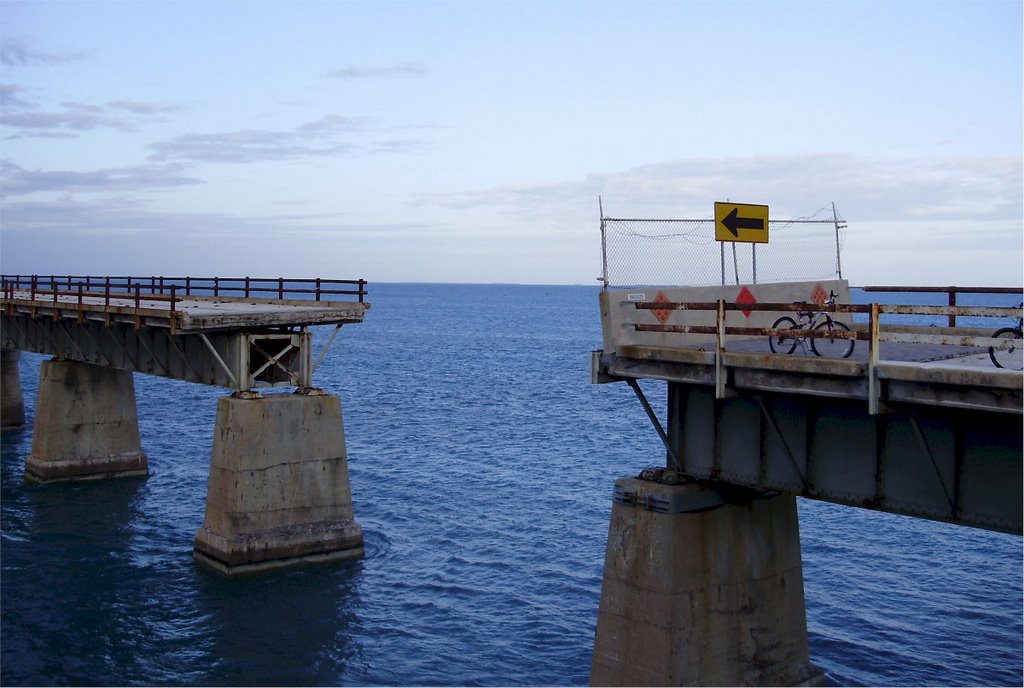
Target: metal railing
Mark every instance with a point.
(873, 333)
(951, 291)
(76, 288)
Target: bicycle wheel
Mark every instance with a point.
(1011, 359)
(832, 347)
(783, 344)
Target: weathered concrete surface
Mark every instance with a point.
(618, 313)
(191, 314)
(278, 491)
(708, 598)
(12, 404)
(86, 425)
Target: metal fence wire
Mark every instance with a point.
(644, 252)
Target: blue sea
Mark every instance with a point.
(482, 463)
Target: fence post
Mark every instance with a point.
(835, 221)
(604, 248)
(952, 302)
(874, 385)
(720, 371)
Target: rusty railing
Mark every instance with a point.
(75, 288)
(951, 291)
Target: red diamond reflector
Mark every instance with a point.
(661, 313)
(819, 296)
(745, 297)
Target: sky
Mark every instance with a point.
(471, 141)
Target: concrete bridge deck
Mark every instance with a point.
(683, 335)
(177, 308)
(961, 377)
(239, 333)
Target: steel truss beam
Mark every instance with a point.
(237, 360)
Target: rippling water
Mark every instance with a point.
(481, 463)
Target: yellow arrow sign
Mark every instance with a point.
(741, 222)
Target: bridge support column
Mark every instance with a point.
(701, 597)
(278, 492)
(86, 425)
(12, 405)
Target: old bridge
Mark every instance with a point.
(703, 580)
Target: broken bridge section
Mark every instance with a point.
(245, 334)
(240, 333)
(703, 581)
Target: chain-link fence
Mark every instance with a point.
(685, 253)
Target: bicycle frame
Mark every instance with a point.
(809, 319)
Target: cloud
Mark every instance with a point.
(383, 72)
(70, 236)
(334, 124)
(864, 189)
(29, 119)
(247, 146)
(17, 53)
(77, 237)
(17, 181)
(331, 135)
(11, 96)
(69, 216)
(31, 122)
(143, 108)
(399, 146)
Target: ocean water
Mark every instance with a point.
(482, 463)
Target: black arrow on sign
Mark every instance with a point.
(733, 222)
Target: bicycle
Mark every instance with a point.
(1012, 358)
(829, 347)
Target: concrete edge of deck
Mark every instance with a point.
(195, 313)
(930, 383)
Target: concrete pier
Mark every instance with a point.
(86, 425)
(278, 492)
(12, 404)
(692, 597)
